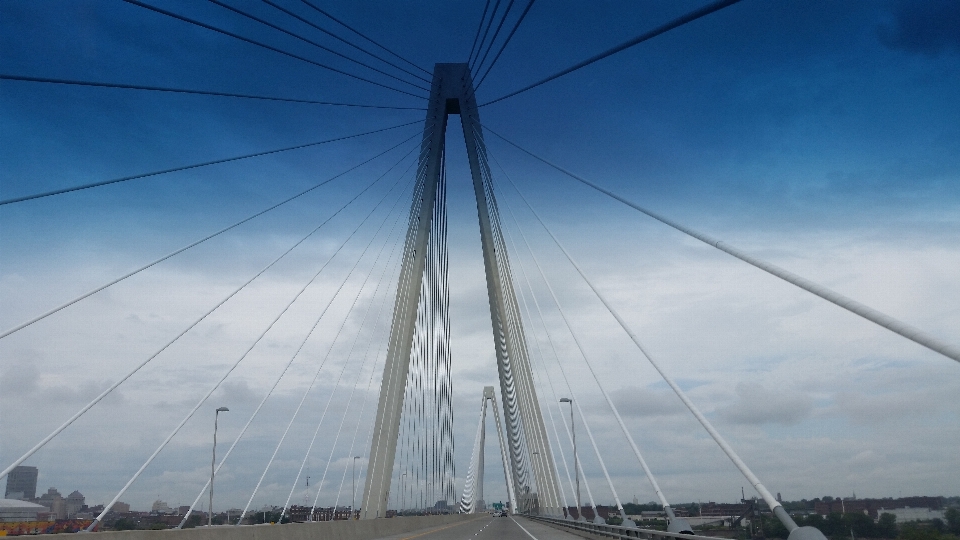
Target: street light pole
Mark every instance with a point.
(576, 469)
(213, 462)
(403, 490)
(353, 478)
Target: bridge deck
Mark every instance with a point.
(505, 528)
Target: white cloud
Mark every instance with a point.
(755, 404)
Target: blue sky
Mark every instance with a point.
(822, 136)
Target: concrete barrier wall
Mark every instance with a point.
(326, 530)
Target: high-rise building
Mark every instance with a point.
(22, 480)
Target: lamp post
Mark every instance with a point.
(576, 470)
(403, 490)
(536, 457)
(353, 478)
(213, 462)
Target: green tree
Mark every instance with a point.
(916, 531)
(887, 526)
(953, 520)
(772, 528)
(124, 524)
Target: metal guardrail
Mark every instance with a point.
(617, 531)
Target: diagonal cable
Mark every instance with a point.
(503, 19)
(311, 42)
(373, 372)
(706, 424)
(679, 21)
(333, 446)
(272, 388)
(129, 374)
(316, 375)
(890, 323)
(357, 32)
(483, 17)
(504, 45)
(486, 31)
(613, 408)
(87, 294)
(345, 41)
(208, 394)
(193, 166)
(264, 45)
(576, 402)
(9, 77)
(345, 362)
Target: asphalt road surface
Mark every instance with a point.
(489, 528)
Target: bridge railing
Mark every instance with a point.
(617, 531)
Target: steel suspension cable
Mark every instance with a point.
(405, 276)
(543, 363)
(332, 343)
(275, 384)
(613, 407)
(486, 31)
(483, 17)
(511, 328)
(9, 77)
(193, 166)
(204, 399)
(386, 266)
(129, 374)
(265, 46)
(679, 21)
(503, 19)
(314, 43)
(553, 422)
(728, 450)
(576, 401)
(345, 41)
(563, 315)
(503, 46)
(357, 32)
(346, 362)
(369, 383)
(87, 294)
(890, 323)
(514, 320)
(578, 464)
(373, 371)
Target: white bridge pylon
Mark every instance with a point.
(532, 476)
(472, 497)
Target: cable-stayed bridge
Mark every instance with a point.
(380, 313)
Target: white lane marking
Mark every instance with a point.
(524, 529)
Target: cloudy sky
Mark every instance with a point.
(822, 136)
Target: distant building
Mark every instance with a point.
(15, 510)
(121, 507)
(913, 514)
(55, 502)
(160, 507)
(875, 507)
(74, 503)
(22, 480)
